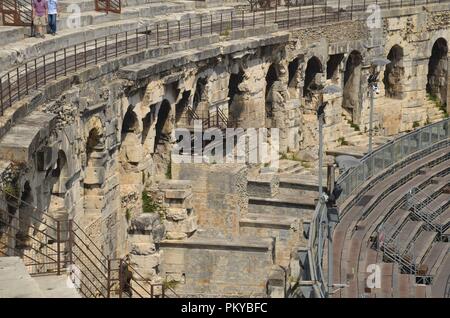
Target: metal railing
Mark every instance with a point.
(107, 6)
(316, 242)
(16, 12)
(51, 246)
(33, 74)
(390, 154)
(355, 178)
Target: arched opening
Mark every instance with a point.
(26, 211)
(58, 185)
(352, 84)
(162, 146)
(234, 98)
(198, 104)
(162, 124)
(312, 77)
(130, 147)
(394, 72)
(130, 123)
(293, 71)
(93, 145)
(437, 72)
(180, 109)
(94, 171)
(271, 78)
(333, 67)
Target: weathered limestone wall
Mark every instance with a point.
(214, 268)
(219, 196)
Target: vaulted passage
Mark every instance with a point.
(271, 78)
(394, 73)
(437, 71)
(333, 66)
(352, 84)
(198, 104)
(235, 107)
(312, 77)
(181, 107)
(94, 171)
(162, 147)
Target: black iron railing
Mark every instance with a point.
(51, 246)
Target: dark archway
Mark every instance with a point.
(333, 66)
(313, 68)
(437, 80)
(130, 122)
(293, 70)
(180, 108)
(162, 129)
(235, 107)
(271, 77)
(199, 95)
(394, 72)
(352, 84)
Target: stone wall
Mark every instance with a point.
(214, 268)
(219, 196)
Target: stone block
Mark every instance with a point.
(94, 175)
(143, 248)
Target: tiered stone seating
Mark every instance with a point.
(352, 249)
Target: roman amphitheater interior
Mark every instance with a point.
(93, 188)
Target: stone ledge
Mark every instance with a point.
(282, 202)
(267, 221)
(260, 245)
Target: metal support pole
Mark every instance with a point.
(371, 88)
(70, 242)
(108, 281)
(58, 247)
(330, 256)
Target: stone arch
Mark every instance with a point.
(163, 127)
(235, 107)
(437, 77)
(130, 148)
(312, 82)
(272, 76)
(333, 63)
(351, 101)
(198, 103)
(58, 185)
(293, 67)
(163, 132)
(394, 73)
(26, 212)
(94, 173)
(181, 108)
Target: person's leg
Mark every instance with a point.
(53, 24)
(50, 23)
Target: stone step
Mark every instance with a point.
(148, 10)
(11, 34)
(15, 281)
(53, 286)
(289, 166)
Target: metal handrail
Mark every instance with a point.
(35, 73)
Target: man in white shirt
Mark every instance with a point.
(52, 13)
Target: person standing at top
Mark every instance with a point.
(40, 11)
(52, 13)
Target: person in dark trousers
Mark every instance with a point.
(40, 11)
(52, 14)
